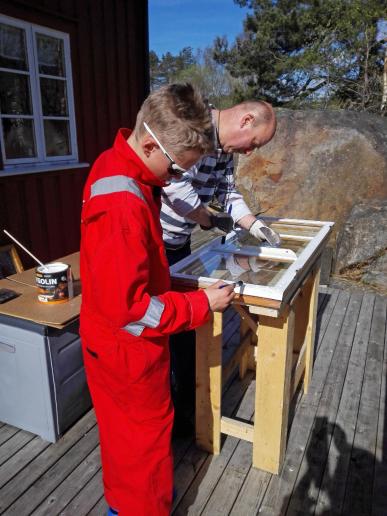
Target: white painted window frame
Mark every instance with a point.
(33, 71)
(280, 290)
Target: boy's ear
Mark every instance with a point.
(148, 145)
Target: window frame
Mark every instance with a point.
(31, 30)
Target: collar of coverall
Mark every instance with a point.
(139, 171)
(218, 146)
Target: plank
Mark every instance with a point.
(70, 486)
(209, 384)
(336, 471)
(16, 464)
(247, 318)
(230, 325)
(310, 473)
(223, 496)
(238, 429)
(100, 508)
(251, 493)
(322, 297)
(14, 444)
(239, 354)
(35, 459)
(189, 474)
(180, 446)
(324, 316)
(273, 372)
(254, 486)
(280, 487)
(358, 494)
(237, 467)
(49, 481)
(6, 432)
(311, 329)
(380, 476)
(87, 498)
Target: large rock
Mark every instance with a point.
(362, 245)
(364, 235)
(318, 166)
(376, 274)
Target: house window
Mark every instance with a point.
(36, 95)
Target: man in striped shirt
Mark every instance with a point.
(239, 129)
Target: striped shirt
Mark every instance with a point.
(212, 178)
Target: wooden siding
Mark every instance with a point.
(109, 53)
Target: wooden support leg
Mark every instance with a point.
(209, 384)
(311, 330)
(243, 363)
(248, 358)
(244, 358)
(274, 362)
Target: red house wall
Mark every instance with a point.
(109, 53)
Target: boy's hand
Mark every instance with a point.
(220, 295)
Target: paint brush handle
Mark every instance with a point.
(24, 249)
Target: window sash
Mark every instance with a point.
(33, 71)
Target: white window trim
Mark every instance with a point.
(37, 116)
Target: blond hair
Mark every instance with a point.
(179, 117)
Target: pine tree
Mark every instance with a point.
(320, 52)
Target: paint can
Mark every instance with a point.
(54, 282)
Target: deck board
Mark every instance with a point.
(87, 497)
(358, 495)
(336, 470)
(24, 469)
(207, 479)
(196, 460)
(311, 470)
(336, 455)
(380, 477)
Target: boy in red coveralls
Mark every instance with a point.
(128, 309)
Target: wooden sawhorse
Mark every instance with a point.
(284, 351)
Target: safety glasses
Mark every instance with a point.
(173, 169)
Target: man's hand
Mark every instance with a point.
(220, 295)
(222, 221)
(261, 232)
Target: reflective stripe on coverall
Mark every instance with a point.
(127, 314)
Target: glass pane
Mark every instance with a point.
(57, 136)
(54, 98)
(19, 138)
(50, 55)
(12, 48)
(15, 97)
(235, 267)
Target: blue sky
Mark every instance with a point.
(175, 24)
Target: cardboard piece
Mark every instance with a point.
(27, 306)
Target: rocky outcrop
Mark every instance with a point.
(320, 165)
(362, 244)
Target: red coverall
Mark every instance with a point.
(127, 314)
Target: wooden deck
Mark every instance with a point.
(336, 461)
